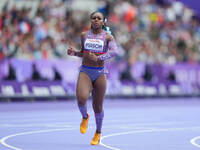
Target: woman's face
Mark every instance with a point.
(97, 20)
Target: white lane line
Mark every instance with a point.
(30, 120)
(3, 140)
(193, 141)
(142, 131)
(62, 124)
(55, 125)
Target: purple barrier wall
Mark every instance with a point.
(68, 69)
(187, 78)
(185, 73)
(45, 69)
(4, 68)
(23, 69)
(32, 88)
(58, 88)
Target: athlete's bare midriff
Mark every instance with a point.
(88, 62)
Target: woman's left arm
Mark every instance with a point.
(112, 49)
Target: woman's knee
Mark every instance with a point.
(82, 99)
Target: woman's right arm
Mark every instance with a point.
(72, 52)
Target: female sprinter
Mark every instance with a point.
(97, 46)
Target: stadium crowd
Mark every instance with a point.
(150, 31)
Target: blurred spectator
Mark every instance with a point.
(171, 77)
(57, 75)
(150, 31)
(36, 76)
(148, 75)
(11, 74)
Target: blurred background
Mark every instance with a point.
(158, 40)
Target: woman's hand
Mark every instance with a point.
(71, 51)
(93, 57)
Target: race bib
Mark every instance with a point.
(94, 45)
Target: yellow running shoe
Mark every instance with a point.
(96, 139)
(84, 125)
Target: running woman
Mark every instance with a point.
(97, 46)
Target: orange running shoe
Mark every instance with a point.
(96, 139)
(84, 125)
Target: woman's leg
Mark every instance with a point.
(98, 94)
(83, 89)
